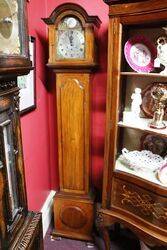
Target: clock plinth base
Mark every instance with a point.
(73, 216)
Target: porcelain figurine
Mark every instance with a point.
(162, 53)
(136, 102)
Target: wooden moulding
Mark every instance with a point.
(72, 7)
(110, 2)
(132, 8)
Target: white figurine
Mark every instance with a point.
(162, 53)
(136, 102)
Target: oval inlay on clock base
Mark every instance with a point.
(77, 217)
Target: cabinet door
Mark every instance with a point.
(12, 209)
(8, 150)
(73, 131)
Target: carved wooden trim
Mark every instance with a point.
(7, 84)
(102, 223)
(99, 220)
(16, 99)
(145, 204)
(28, 235)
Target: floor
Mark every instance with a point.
(123, 242)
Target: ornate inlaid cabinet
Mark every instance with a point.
(133, 194)
(72, 56)
(19, 228)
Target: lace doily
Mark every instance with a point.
(142, 160)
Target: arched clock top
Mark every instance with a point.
(70, 9)
(72, 38)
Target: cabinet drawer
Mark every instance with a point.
(139, 202)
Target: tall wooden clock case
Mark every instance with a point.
(135, 198)
(72, 56)
(19, 228)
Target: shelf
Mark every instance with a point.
(142, 124)
(143, 74)
(149, 175)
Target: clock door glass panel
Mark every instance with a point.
(70, 39)
(140, 148)
(6, 128)
(10, 25)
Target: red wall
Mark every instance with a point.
(38, 127)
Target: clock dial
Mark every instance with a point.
(9, 28)
(71, 39)
(71, 44)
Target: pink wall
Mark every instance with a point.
(35, 125)
(38, 127)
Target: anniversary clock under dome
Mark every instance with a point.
(19, 228)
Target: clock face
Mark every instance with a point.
(71, 39)
(9, 28)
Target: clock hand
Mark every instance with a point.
(71, 38)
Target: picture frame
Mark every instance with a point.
(27, 83)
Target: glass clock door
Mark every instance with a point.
(142, 111)
(7, 138)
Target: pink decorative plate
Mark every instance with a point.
(140, 53)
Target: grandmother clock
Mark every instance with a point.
(19, 228)
(72, 56)
(134, 194)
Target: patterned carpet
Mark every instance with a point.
(121, 243)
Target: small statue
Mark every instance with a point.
(136, 102)
(159, 93)
(162, 53)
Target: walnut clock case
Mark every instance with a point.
(19, 228)
(72, 56)
(133, 198)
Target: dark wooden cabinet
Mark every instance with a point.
(19, 228)
(135, 198)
